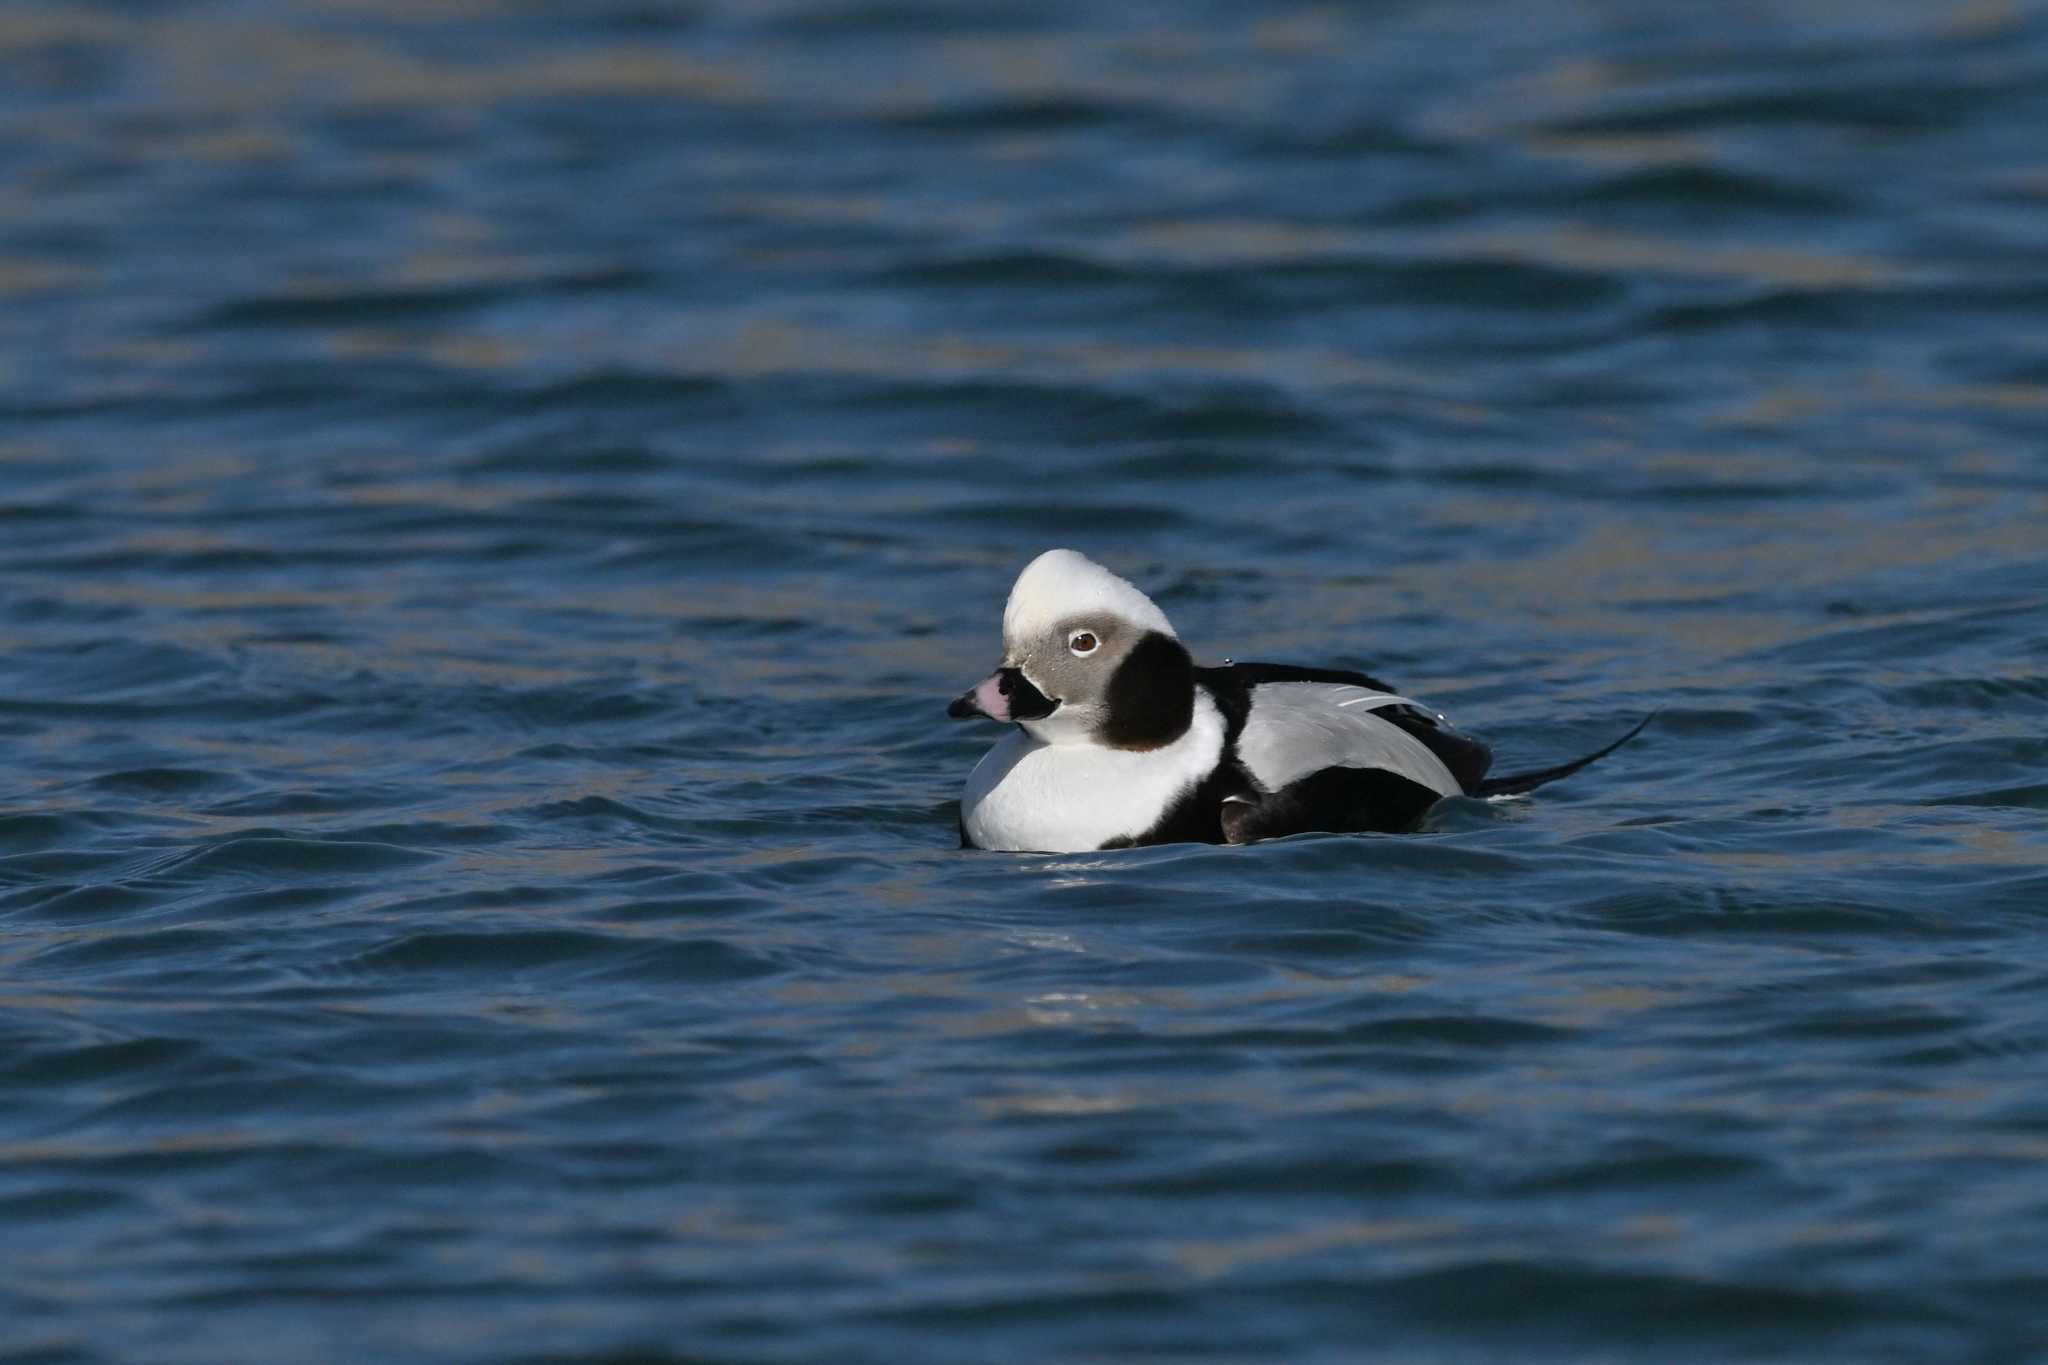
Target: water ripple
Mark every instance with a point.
(493, 504)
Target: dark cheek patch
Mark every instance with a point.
(1151, 695)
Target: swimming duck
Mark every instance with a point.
(1120, 740)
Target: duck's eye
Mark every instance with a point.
(1081, 643)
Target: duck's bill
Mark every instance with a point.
(1005, 695)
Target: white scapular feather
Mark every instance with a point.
(1297, 728)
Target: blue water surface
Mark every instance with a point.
(495, 498)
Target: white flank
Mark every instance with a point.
(1069, 798)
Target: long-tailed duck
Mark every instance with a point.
(1121, 740)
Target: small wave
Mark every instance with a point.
(290, 855)
(1027, 114)
(368, 303)
(168, 783)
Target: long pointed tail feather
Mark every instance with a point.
(1518, 783)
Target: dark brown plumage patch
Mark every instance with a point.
(1151, 696)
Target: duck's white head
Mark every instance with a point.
(1087, 659)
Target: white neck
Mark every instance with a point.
(1066, 798)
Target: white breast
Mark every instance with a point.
(1068, 798)
(1297, 728)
